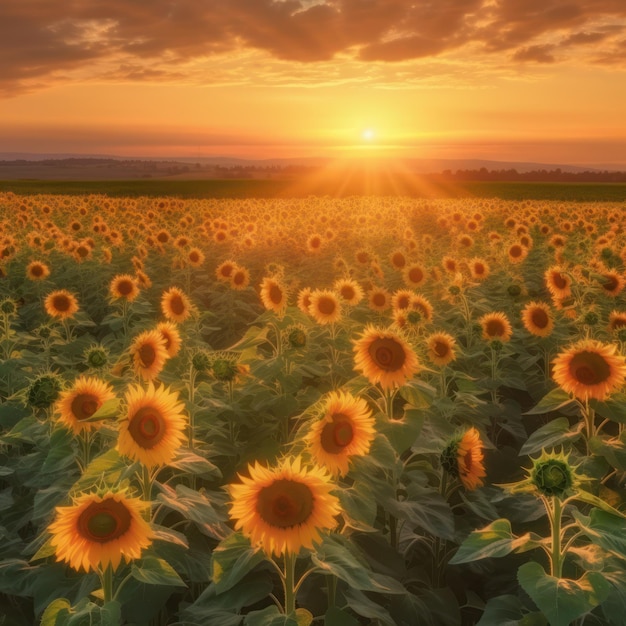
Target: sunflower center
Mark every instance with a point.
(36, 270)
(167, 339)
(440, 348)
(610, 283)
(276, 294)
(539, 318)
(589, 368)
(125, 287)
(147, 427)
(398, 260)
(285, 503)
(147, 354)
(403, 302)
(387, 353)
(347, 292)
(85, 405)
(416, 274)
(337, 434)
(226, 271)
(515, 251)
(379, 299)
(494, 328)
(61, 303)
(326, 305)
(104, 521)
(177, 305)
(559, 280)
(238, 278)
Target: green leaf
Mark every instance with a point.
(269, 616)
(108, 467)
(44, 552)
(154, 571)
(192, 463)
(495, 540)
(109, 410)
(403, 432)
(501, 610)
(336, 555)
(551, 434)
(606, 530)
(562, 600)
(589, 498)
(613, 408)
(552, 401)
(358, 506)
(59, 608)
(233, 559)
(338, 617)
(613, 450)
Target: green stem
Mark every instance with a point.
(146, 483)
(107, 584)
(331, 585)
(555, 523)
(191, 407)
(290, 593)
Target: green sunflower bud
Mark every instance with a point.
(96, 357)
(8, 306)
(552, 476)
(297, 338)
(43, 331)
(224, 369)
(454, 290)
(201, 361)
(414, 318)
(514, 290)
(44, 391)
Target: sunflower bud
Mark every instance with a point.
(414, 318)
(496, 345)
(44, 391)
(44, 331)
(591, 319)
(8, 306)
(224, 369)
(96, 357)
(454, 290)
(552, 475)
(201, 361)
(514, 290)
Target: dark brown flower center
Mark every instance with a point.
(479, 268)
(147, 354)
(276, 294)
(387, 354)
(84, 405)
(125, 287)
(416, 274)
(589, 368)
(347, 292)
(398, 260)
(609, 282)
(36, 270)
(559, 281)
(515, 251)
(177, 305)
(285, 503)
(336, 435)
(379, 299)
(539, 318)
(61, 303)
(147, 427)
(494, 328)
(326, 305)
(403, 302)
(239, 278)
(441, 348)
(226, 271)
(104, 521)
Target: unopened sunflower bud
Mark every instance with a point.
(552, 476)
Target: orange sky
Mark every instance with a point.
(522, 80)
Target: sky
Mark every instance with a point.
(514, 80)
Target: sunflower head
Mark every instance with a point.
(201, 361)
(552, 475)
(463, 458)
(44, 390)
(96, 357)
(8, 306)
(295, 337)
(79, 403)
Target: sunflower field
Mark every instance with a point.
(285, 412)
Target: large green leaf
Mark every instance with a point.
(155, 571)
(338, 617)
(270, 616)
(562, 600)
(613, 408)
(192, 463)
(552, 401)
(553, 433)
(495, 540)
(606, 530)
(57, 610)
(233, 559)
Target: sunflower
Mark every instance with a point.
(589, 369)
(314, 243)
(558, 283)
(124, 286)
(384, 357)
(149, 354)
(61, 304)
(239, 278)
(98, 531)
(171, 336)
(463, 459)
(345, 430)
(612, 283)
(537, 319)
(154, 425)
(273, 295)
(398, 260)
(496, 326)
(304, 300)
(379, 299)
(36, 270)
(224, 270)
(401, 299)
(617, 320)
(517, 253)
(76, 405)
(195, 257)
(284, 509)
(349, 290)
(479, 268)
(325, 307)
(414, 275)
(175, 305)
(440, 348)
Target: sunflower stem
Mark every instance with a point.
(290, 592)
(331, 586)
(146, 483)
(106, 578)
(190, 405)
(554, 515)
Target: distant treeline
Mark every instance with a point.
(556, 176)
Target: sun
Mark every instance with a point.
(368, 134)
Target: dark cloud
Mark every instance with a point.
(41, 41)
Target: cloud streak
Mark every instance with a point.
(160, 40)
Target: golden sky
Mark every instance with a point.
(521, 80)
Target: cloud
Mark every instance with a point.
(42, 41)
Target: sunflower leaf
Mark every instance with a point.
(553, 433)
(108, 410)
(57, 609)
(233, 559)
(154, 571)
(552, 401)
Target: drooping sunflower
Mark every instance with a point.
(345, 430)
(304, 300)
(124, 286)
(284, 509)
(153, 427)
(441, 348)
(496, 326)
(171, 336)
(36, 270)
(175, 305)
(81, 401)
(463, 458)
(98, 531)
(558, 282)
(325, 307)
(61, 304)
(384, 357)
(589, 369)
(349, 290)
(273, 295)
(149, 354)
(537, 319)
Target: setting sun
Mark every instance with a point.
(368, 134)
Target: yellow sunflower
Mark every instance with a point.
(325, 307)
(124, 286)
(304, 300)
(479, 269)
(558, 282)
(284, 509)
(401, 299)
(36, 270)
(441, 348)
(517, 253)
(421, 305)
(379, 299)
(239, 278)
(345, 430)
(384, 357)
(496, 326)
(612, 283)
(463, 458)
(617, 320)
(61, 304)
(195, 257)
(537, 319)
(79, 403)
(171, 336)
(153, 427)
(414, 275)
(149, 354)
(273, 295)
(175, 305)
(224, 271)
(98, 531)
(349, 290)
(589, 369)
